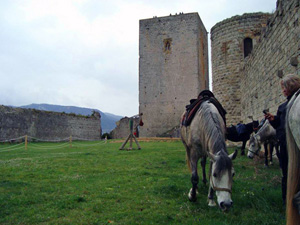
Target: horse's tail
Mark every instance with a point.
(293, 181)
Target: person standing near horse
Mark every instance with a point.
(289, 85)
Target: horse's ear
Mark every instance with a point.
(212, 156)
(233, 155)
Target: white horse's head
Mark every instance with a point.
(254, 146)
(221, 176)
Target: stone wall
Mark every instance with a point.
(277, 54)
(173, 68)
(248, 85)
(227, 50)
(17, 122)
(122, 129)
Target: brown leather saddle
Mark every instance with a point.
(195, 104)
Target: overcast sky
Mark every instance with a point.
(85, 52)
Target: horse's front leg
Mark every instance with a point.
(266, 153)
(243, 148)
(203, 164)
(194, 180)
(210, 197)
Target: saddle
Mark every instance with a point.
(241, 129)
(195, 104)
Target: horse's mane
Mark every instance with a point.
(214, 127)
(249, 126)
(293, 180)
(266, 125)
(223, 162)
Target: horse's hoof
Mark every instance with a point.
(211, 203)
(191, 197)
(243, 153)
(271, 163)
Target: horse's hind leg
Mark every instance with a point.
(203, 164)
(243, 148)
(271, 152)
(194, 179)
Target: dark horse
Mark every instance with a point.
(241, 132)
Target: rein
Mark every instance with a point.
(255, 153)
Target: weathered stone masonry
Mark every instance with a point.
(122, 129)
(248, 85)
(17, 122)
(173, 68)
(227, 41)
(277, 54)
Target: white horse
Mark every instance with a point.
(205, 136)
(293, 146)
(264, 134)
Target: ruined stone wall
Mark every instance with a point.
(17, 122)
(277, 54)
(227, 51)
(173, 68)
(122, 129)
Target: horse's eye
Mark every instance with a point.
(214, 174)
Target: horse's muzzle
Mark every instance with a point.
(226, 205)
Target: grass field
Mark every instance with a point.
(94, 183)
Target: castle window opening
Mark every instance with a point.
(248, 46)
(167, 45)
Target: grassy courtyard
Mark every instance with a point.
(95, 183)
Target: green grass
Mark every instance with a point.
(103, 185)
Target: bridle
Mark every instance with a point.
(213, 185)
(255, 152)
(218, 188)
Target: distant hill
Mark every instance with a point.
(108, 120)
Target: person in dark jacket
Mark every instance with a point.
(289, 85)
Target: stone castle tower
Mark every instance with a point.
(232, 41)
(173, 68)
(250, 54)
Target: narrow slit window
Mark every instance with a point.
(167, 45)
(248, 46)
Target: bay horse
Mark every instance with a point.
(265, 135)
(232, 133)
(205, 136)
(293, 148)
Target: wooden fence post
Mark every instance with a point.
(71, 141)
(26, 141)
